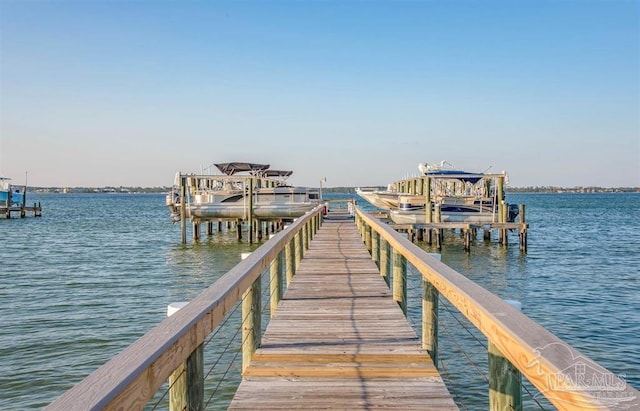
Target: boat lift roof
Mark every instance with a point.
(253, 168)
(445, 170)
(236, 167)
(277, 173)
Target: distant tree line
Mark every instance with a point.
(347, 190)
(556, 189)
(530, 189)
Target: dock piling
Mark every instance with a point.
(251, 320)
(183, 218)
(399, 280)
(186, 384)
(430, 297)
(505, 380)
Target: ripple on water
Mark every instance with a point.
(90, 277)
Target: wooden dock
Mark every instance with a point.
(22, 211)
(338, 340)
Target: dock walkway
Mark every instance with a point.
(338, 340)
(21, 210)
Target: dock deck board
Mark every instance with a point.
(338, 340)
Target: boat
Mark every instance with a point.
(383, 199)
(10, 196)
(460, 196)
(241, 191)
(389, 199)
(412, 210)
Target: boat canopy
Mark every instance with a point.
(446, 170)
(458, 175)
(236, 167)
(277, 173)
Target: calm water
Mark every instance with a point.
(98, 270)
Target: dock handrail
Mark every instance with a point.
(544, 359)
(131, 378)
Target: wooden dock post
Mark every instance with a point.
(523, 229)
(275, 282)
(505, 381)
(315, 225)
(9, 201)
(505, 231)
(183, 210)
(502, 209)
(313, 229)
(384, 260)
(427, 208)
(305, 238)
(289, 261)
(186, 384)
(367, 237)
(467, 239)
(251, 321)
(196, 230)
(430, 297)
(298, 249)
(427, 200)
(439, 231)
(375, 247)
(250, 211)
(399, 280)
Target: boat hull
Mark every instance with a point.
(386, 200)
(451, 213)
(268, 204)
(419, 217)
(240, 211)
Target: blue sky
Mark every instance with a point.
(96, 93)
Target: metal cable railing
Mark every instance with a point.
(456, 339)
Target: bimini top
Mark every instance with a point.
(236, 167)
(446, 170)
(277, 173)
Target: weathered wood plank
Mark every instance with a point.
(319, 393)
(339, 370)
(338, 340)
(560, 372)
(361, 358)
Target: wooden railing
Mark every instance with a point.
(132, 378)
(567, 378)
(564, 376)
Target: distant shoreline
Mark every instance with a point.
(165, 189)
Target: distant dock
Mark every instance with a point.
(21, 210)
(432, 229)
(14, 202)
